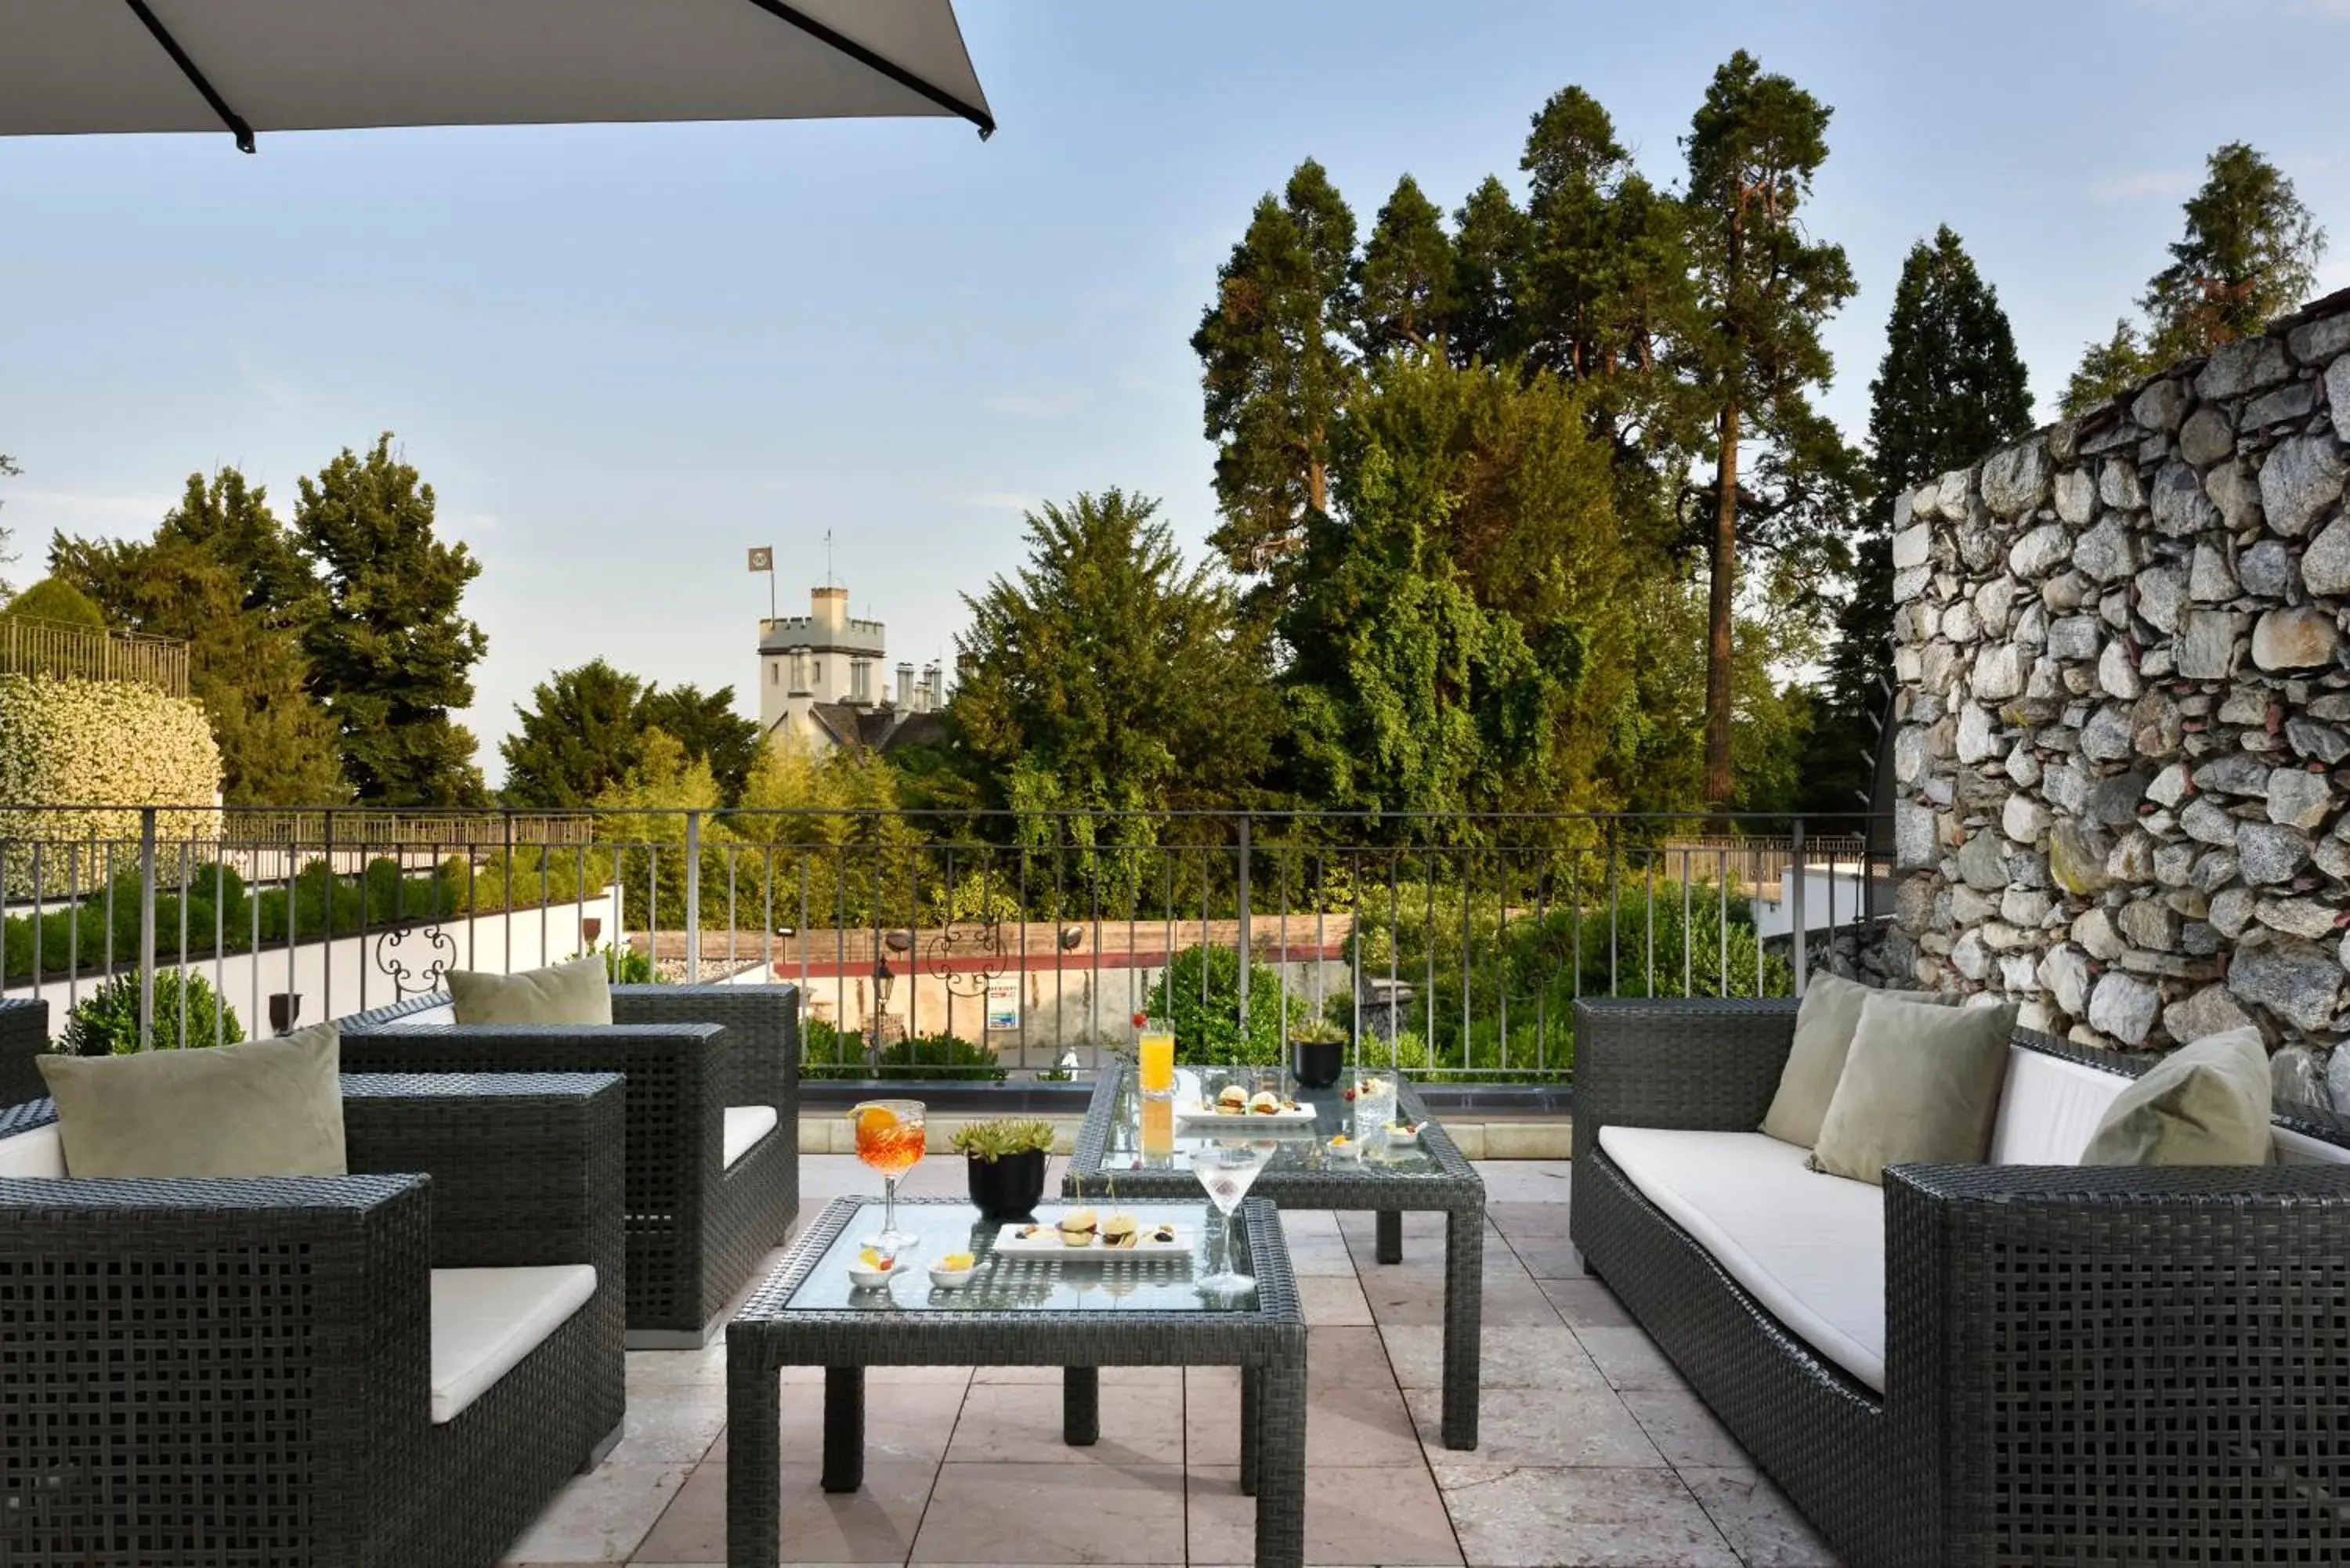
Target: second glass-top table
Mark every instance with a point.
(1136, 1149)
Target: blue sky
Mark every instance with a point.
(623, 354)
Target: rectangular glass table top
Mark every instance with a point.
(1146, 1135)
(1094, 1282)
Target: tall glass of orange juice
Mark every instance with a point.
(1158, 1132)
(889, 1139)
(1154, 1058)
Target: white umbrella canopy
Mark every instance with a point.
(86, 67)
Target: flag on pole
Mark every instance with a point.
(762, 558)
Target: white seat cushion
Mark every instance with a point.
(1809, 1247)
(2049, 1108)
(484, 1321)
(745, 1126)
(37, 1155)
(439, 1017)
(2291, 1148)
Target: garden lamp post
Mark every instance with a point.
(885, 980)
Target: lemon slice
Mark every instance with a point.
(870, 1259)
(955, 1263)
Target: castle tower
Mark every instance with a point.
(821, 657)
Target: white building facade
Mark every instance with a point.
(820, 673)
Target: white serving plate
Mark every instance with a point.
(1011, 1243)
(1196, 1112)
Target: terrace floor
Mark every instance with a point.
(1593, 1452)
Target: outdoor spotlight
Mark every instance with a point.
(899, 941)
(1070, 936)
(787, 932)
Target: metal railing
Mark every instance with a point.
(926, 945)
(31, 645)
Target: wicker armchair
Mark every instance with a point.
(23, 1035)
(699, 1225)
(2081, 1364)
(237, 1371)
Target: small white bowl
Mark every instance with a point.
(1401, 1137)
(1347, 1150)
(953, 1278)
(865, 1279)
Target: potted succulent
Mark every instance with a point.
(1005, 1161)
(1319, 1049)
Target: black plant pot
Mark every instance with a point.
(1007, 1189)
(1319, 1062)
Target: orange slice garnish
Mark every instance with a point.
(874, 1121)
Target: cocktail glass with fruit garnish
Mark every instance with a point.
(889, 1139)
(1227, 1167)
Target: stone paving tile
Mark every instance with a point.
(875, 1523)
(1044, 1513)
(1533, 1518)
(1337, 1356)
(1523, 1180)
(1585, 1304)
(1520, 1221)
(1361, 1518)
(673, 1425)
(1335, 1301)
(1211, 1413)
(1684, 1430)
(1548, 1257)
(1355, 1424)
(1629, 1359)
(1534, 1427)
(904, 1423)
(1005, 1422)
(1510, 1356)
(1511, 1297)
(1761, 1525)
(601, 1517)
(1111, 1376)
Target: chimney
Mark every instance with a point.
(828, 607)
(934, 682)
(906, 687)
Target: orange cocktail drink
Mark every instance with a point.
(1154, 1051)
(889, 1139)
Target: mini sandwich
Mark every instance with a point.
(1119, 1231)
(1163, 1233)
(1264, 1103)
(1232, 1101)
(1077, 1227)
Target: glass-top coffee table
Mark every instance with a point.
(1143, 1149)
(1124, 1310)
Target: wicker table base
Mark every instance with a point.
(1265, 1339)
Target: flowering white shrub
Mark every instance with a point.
(97, 748)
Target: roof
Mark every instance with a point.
(880, 728)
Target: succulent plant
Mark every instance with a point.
(992, 1140)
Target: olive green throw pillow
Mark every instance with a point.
(2204, 1104)
(1919, 1087)
(267, 1108)
(574, 993)
(1823, 1028)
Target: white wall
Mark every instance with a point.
(360, 969)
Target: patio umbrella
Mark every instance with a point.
(80, 66)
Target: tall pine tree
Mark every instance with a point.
(1491, 241)
(1274, 372)
(1949, 388)
(1764, 288)
(222, 574)
(1406, 288)
(391, 654)
(2250, 254)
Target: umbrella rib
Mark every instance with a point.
(840, 41)
(229, 116)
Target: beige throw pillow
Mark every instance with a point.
(2204, 1104)
(267, 1108)
(574, 993)
(1824, 1027)
(1920, 1087)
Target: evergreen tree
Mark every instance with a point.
(391, 655)
(581, 735)
(2106, 370)
(1275, 373)
(707, 726)
(1491, 241)
(1763, 288)
(223, 575)
(1405, 283)
(1949, 388)
(2250, 254)
(1108, 672)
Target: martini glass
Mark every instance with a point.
(1227, 1167)
(889, 1140)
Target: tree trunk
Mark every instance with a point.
(1718, 615)
(1317, 486)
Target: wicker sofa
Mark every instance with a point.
(23, 1035)
(392, 1369)
(713, 1142)
(2020, 1362)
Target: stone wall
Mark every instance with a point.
(2125, 712)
